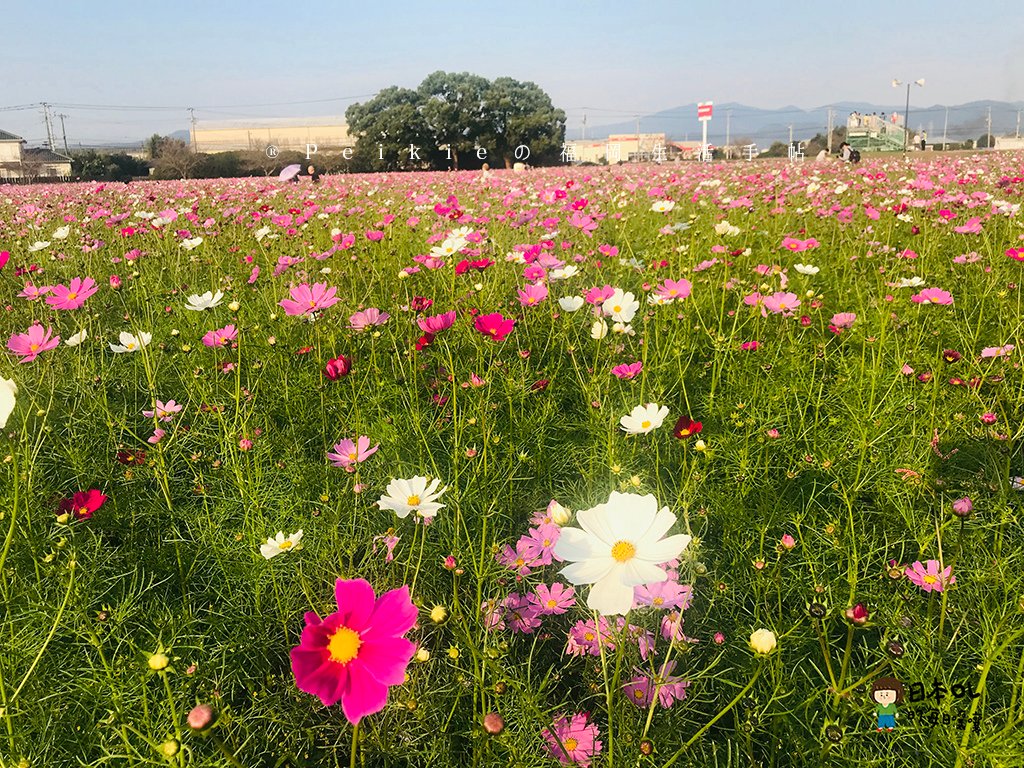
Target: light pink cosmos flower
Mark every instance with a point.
(844, 319)
(929, 577)
(970, 227)
(674, 289)
(32, 292)
(306, 298)
(360, 321)
(932, 296)
(436, 323)
(1004, 350)
(783, 303)
(348, 453)
(163, 411)
(797, 246)
(667, 595)
(32, 342)
(156, 437)
(553, 600)
(572, 741)
(72, 296)
(532, 295)
(221, 336)
(627, 372)
(599, 295)
(669, 688)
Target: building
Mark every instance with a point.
(18, 163)
(1009, 142)
(629, 148)
(328, 134)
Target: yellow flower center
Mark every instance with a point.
(286, 544)
(638, 694)
(33, 347)
(616, 308)
(645, 424)
(129, 345)
(72, 296)
(623, 551)
(344, 645)
(413, 501)
(658, 601)
(570, 744)
(551, 603)
(83, 510)
(352, 456)
(589, 637)
(929, 579)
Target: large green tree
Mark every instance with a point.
(521, 114)
(453, 105)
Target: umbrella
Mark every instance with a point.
(290, 172)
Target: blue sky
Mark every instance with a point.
(617, 59)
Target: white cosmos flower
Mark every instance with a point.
(38, 245)
(264, 231)
(727, 229)
(663, 206)
(413, 495)
(278, 545)
(910, 282)
(61, 232)
(644, 419)
(78, 338)
(564, 273)
(208, 300)
(623, 328)
(621, 307)
(617, 547)
(131, 343)
(189, 245)
(599, 330)
(8, 390)
(806, 269)
(570, 303)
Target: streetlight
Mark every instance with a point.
(906, 112)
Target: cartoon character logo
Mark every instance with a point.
(886, 692)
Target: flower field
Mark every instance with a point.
(637, 466)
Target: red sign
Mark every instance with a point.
(704, 110)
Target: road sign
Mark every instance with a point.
(704, 110)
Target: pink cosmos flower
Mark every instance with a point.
(494, 325)
(436, 323)
(970, 227)
(360, 321)
(585, 638)
(750, 346)
(599, 295)
(221, 336)
(674, 289)
(348, 453)
(532, 295)
(963, 506)
(669, 688)
(667, 595)
(163, 411)
(306, 299)
(520, 613)
(572, 741)
(156, 437)
(354, 654)
(337, 367)
(517, 559)
(553, 600)
(32, 292)
(72, 296)
(390, 541)
(539, 544)
(1006, 349)
(844, 319)
(929, 577)
(32, 342)
(4, 257)
(932, 296)
(780, 302)
(254, 274)
(627, 372)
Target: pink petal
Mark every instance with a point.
(355, 599)
(395, 615)
(364, 695)
(386, 658)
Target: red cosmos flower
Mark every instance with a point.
(420, 304)
(540, 385)
(82, 504)
(857, 615)
(494, 325)
(424, 341)
(338, 367)
(686, 427)
(131, 457)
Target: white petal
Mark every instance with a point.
(666, 549)
(575, 545)
(588, 571)
(610, 596)
(595, 522)
(636, 572)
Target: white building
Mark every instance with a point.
(18, 162)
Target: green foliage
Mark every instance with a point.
(116, 166)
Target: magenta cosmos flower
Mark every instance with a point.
(32, 342)
(532, 295)
(573, 740)
(629, 371)
(348, 453)
(436, 323)
(494, 325)
(354, 654)
(932, 296)
(929, 578)
(71, 296)
(221, 336)
(306, 298)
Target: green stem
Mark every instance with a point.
(225, 751)
(355, 746)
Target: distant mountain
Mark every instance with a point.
(965, 121)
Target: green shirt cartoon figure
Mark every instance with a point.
(886, 692)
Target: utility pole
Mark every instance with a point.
(64, 133)
(192, 130)
(988, 139)
(791, 135)
(49, 127)
(584, 136)
(828, 138)
(1017, 134)
(945, 125)
(728, 126)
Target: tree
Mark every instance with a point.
(96, 166)
(453, 105)
(175, 160)
(515, 114)
(386, 127)
(153, 145)
(985, 141)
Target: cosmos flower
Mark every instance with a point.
(932, 296)
(33, 342)
(130, 342)
(221, 336)
(306, 299)
(494, 325)
(412, 495)
(208, 300)
(643, 419)
(367, 318)
(278, 545)
(83, 504)
(348, 453)
(570, 303)
(930, 577)
(71, 296)
(356, 653)
(8, 399)
(572, 741)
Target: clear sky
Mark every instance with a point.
(617, 59)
